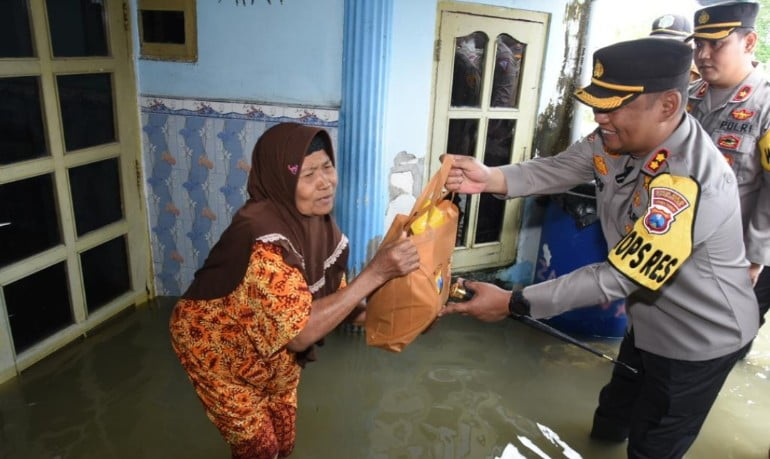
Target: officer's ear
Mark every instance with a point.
(750, 42)
(671, 103)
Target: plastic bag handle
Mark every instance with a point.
(434, 191)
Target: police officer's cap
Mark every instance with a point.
(671, 26)
(718, 21)
(623, 71)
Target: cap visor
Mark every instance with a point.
(602, 98)
(718, 35)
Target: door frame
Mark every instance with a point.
(488, 255)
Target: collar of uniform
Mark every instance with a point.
(673, 144)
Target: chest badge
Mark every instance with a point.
(729, 141)
(742, 114)
(600, 165)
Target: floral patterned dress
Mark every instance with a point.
(233, 350)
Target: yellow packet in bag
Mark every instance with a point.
(433, 218)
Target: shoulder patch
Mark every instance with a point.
(661, 240)
(742, 94)
(742, 114)
(764, 150)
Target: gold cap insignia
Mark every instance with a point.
(703, 18)
(598, 69)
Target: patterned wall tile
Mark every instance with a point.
(197, 155)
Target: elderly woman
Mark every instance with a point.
(271, 288)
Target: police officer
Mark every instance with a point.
(732, 103)
(669, 208)
(677, 27)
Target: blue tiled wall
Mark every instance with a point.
(197, 155)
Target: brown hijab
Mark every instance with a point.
(314, 245)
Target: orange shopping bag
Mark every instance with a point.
(405, 306)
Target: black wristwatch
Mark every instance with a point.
(518, 305)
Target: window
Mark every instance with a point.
(167, 30)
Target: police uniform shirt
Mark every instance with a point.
(740, 128)
(704, 306)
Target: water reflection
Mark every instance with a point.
(463, 390)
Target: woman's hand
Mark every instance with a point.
(489, 302)
(470, 176)
(395, 259)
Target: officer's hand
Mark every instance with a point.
(470, 176)
(489, 302)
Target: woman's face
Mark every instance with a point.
(316, 185)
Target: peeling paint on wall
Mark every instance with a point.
(552, 133)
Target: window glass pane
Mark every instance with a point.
(77, 27)
(38, 306)
(29, 206)
(509, 55)
(96, 195)
(461, 140)
(467, 73)
(22, 135)
(86, 110)
(15, 36)
(105, 272)
(497, 153)
(163, 26)
(462, 136)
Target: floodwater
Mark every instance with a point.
(465, 389)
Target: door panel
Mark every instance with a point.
(485, 104)
(73, 235)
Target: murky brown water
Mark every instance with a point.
(463, 390)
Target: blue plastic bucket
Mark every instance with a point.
(569, 247)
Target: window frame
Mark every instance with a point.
(187, 52)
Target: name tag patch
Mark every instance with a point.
(661, 241)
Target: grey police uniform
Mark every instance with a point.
(705, 310)
(737, 127)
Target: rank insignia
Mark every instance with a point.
(600, 165)
(742, 114)
(628, 228)
(657, 160)
(703, 18)
(665, 204)
(729, 141)
(729, 158)
(701, 91)
(689, 108)
(637, 199)
(742, 95)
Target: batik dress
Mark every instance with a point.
(234, 351)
